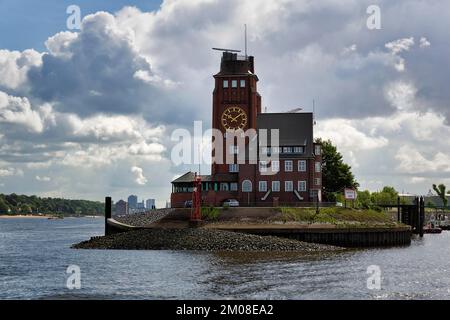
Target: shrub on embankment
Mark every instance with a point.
(336, 215)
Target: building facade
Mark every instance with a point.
(121, 208)
(258, 170)
(132, 202)
(150, 204)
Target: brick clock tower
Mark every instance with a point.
(293, 177)
(236, 101)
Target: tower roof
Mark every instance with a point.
(234, 64)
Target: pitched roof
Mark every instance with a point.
(188, 177)
(295, 129)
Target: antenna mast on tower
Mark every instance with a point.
(245, 37)
(314, 112)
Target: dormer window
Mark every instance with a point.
(225, 83)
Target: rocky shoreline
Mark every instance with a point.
(199, 239)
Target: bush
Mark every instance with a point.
(210, 213)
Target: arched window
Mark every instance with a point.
(246, 186)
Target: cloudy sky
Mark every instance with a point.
(87, 113)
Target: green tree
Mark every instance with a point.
(336, 175)
(387, 196)
(364, 200)
(4, 209)
(441, 192)
(25, 208)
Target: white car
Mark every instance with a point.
(231, 203)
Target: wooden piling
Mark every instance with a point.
(108, 213)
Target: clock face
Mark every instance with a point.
(234, 118)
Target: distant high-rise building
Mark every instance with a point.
(132, 202)
(121, 208)
(140, 205)
(150, 204)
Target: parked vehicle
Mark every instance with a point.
(188, 204)
(231, 203)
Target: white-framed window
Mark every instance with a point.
(242, 84)
(298, 149)
(276, 186)
(262, 186)
(234, 83)
(317, 150)
(288, 186)
(246, 186)
(233, 186)
(223, 186)
(302, 165)
(318, 166)
(317, 181)
(275, 164)
(262, 166)
(233, 167)
(288, 166)
(313, 193)
(301, 186)
(287, 149)
(276, 150)
(225, 83)
(234, 149)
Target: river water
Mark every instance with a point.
(35, 254)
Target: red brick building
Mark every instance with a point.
(287, 173)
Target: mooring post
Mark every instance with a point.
(421, 215)
(108, 210)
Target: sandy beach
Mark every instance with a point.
(23, 216)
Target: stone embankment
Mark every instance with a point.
(143, 219)
(199, 239)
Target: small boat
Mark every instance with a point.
(432, 229)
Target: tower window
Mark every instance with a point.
(302, 186)
(263, 186)
(276, 186)
(225, 83)
(288, 186)
(302, 165)
(234, 83)
(288, 165)
(242, 84)
(246, 186)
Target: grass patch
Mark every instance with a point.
(210, 213)
(336, 216)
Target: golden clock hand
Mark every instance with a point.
(235, 118)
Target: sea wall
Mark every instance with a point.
(344, 237)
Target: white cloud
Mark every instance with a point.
(59, 44)
(8, 172)
(401, 95)
(139, 175)
(413, 161)
(14, 66)
(16, 110)
(424, 42)
(345, 134)
(400, 45)
(43, 178)
(416, 180)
